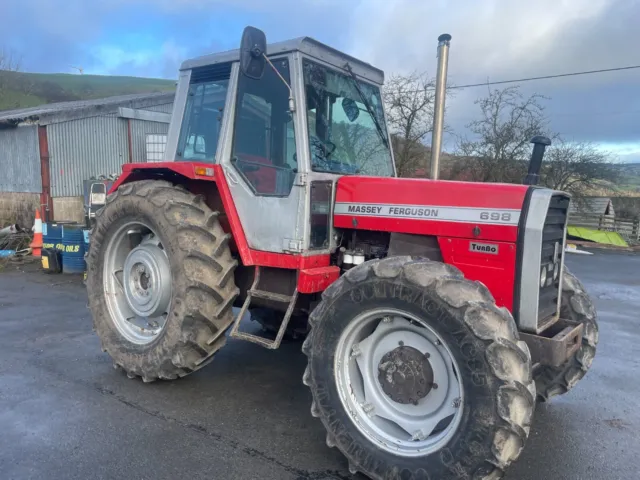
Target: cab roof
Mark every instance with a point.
(306, 45)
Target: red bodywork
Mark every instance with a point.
(315, 273)
(458, 214)
(395, 205)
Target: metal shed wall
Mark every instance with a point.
(139, 131)
(20, 160)
(79, 149)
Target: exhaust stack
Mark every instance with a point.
(438, 113)
(540, 143)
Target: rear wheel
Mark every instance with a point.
(415, 373)
(160, 280)
(577, 306)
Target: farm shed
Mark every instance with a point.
(592, 206)
(47, 152)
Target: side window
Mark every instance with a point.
(203, 115)
(264, 143)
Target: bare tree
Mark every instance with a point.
(409, 101)
(576, 167)
(500, 147)
(360, 145)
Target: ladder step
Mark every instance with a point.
(276, 297)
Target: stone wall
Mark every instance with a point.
(18, 208)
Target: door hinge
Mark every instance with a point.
(301, 180)
(290, 245)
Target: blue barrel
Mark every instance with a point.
(86, 251)
(73, 253)
(52, 233)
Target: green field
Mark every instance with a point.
(31, 89)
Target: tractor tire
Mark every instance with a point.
(489, 364)
(198, 287)
(576, 305)
(270, 321)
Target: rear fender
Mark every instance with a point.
(208, 185)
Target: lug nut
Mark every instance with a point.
(401, 343)
(434, 386)
(368, 408)
(427, 355)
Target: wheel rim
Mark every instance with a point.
(383, 373)
(137, 282)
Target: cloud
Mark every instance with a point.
(497, 40)
(492, 40)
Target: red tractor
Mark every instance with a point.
(438, 312)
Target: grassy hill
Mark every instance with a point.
(21, 90)
(630, 173)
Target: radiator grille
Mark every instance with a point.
(551, 256)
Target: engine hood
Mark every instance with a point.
(430, 207)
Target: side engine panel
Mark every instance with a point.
(502, 235)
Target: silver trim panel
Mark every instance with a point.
(531, 258)
(441, 213)
(528, 307)
(175, 124)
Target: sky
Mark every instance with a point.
(492, 40)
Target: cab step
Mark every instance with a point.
(277, 297)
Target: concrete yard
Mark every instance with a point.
(66, 414)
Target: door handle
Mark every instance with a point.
(231, 176)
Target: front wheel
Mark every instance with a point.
(415, 373)
(576, 305)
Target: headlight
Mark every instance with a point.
(543, 277)
(556, 271)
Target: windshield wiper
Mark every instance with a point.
(367, 105)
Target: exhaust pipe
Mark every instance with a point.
(540, 143)
(438, 112)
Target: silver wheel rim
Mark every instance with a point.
(137, 282)
(429, 419)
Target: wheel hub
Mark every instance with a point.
(147, 280)
(387, 363)
(406, 375)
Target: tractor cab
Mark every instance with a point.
(283, 127)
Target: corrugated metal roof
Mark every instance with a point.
(65, 111)
(592, 205)
(164, 108)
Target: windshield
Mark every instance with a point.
(343, 136)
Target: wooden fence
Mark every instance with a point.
(629, 229)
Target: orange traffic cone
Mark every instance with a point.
(36, 245)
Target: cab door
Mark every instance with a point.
(259, 158)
